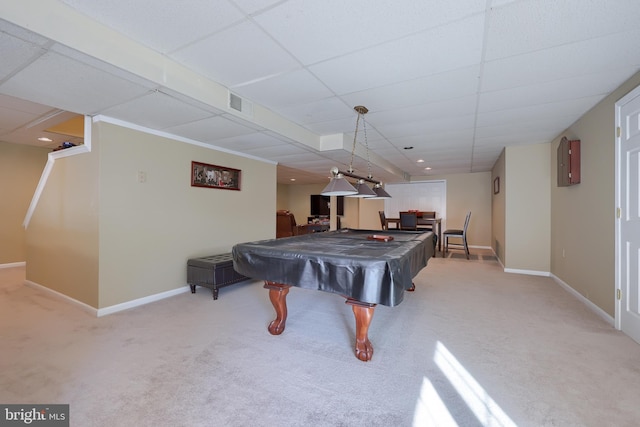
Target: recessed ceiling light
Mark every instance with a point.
(427, 168)
(292, 179)
(420, 161)
(45, 139)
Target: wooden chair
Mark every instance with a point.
(383, 220)
(286, 225)
(456, 233)
(427, 215)
(408, 221)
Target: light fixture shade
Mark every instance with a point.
(338, 186)
(380, 192)
(363, 190)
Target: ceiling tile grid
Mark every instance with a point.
(458, 81)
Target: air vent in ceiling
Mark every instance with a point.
(240, 105)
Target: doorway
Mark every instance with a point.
(628, 214)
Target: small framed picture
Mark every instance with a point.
(214, 176)
(496, 185)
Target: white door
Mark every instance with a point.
(628, 223)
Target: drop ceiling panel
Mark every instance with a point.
(531, 27)
(315, 31)
(438, 87)
(319, 111)
(399, 130)
(539, 112)
(15, 54)
(437, 140)
(549, 92)
(412, 57)
(163, 25)
(52, 78)
(275, 151)
(253, 57)
(248, 141)
(211, 129)
(426, 112)
(576, 59)
(15, 112)
(300, 157)
(296, 87)
(254, 6)
(421, 70)
(345, 124)
(156, 111)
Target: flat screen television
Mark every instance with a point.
(320, 205)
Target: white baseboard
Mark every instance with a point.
(597, 310)
(480, 247)
(528, 272)
(13, 264)
(99, 312)
(63, 297)
(141, 301)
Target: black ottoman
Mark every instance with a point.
(213, 272)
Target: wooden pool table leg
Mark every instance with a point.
(278, 296)
(363, 313)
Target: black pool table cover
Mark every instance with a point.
(344, 262)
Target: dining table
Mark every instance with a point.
(423, 224)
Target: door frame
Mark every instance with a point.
(618, 203)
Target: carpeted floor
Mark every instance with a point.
(472, 346)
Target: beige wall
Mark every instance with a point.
(20, 170)
(295, 198)
(62, 237)
(527, 204)
(468, 192)
(583, 215)
(149, 230)
(103, 238)
(465, 192)
(358, 213)
(498, 208)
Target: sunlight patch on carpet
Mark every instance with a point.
(486, 410)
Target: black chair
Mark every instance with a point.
(383, 220)
(460, 234)
(409, 221)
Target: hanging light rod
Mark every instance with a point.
(353, 175)
(339, 186)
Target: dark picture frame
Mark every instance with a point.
(213, 176)
(496, 185)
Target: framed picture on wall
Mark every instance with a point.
(496, 185)
(214, 176)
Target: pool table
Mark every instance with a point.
(367, 267)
